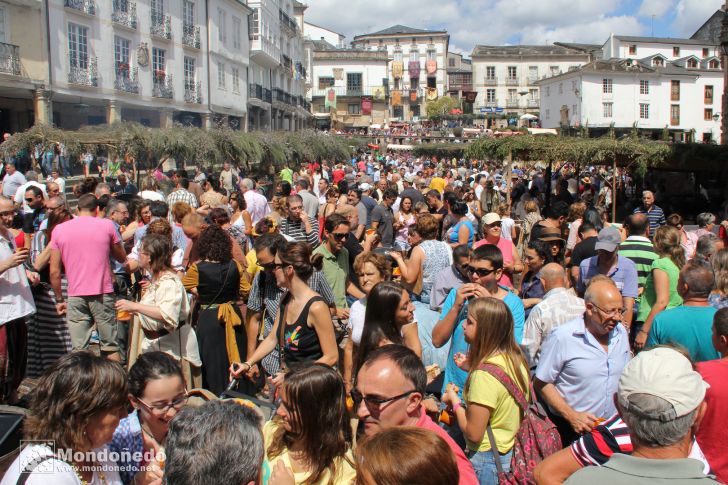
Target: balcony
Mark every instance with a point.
(126, 81)
(354, 91)
(511, 81)
(84, 76)
(191, 36)
(534, 103)
(460, 87)
(287, 23)
(163, 87)
(255, 91)
(124, 13)
(286, 62)
(491, 81)
(193, 92)
(161, 26)
(491, 104)
(9, 59)
(512, 103)
(86, 6)
(267, 96)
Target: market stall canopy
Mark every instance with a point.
(375, 126)
(400, 147)
(529, 116)
(542, 131)
(322, 115)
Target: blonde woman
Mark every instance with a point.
(719, 297)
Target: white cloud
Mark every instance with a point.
(691, 14)
(658, 8)
(594, 32)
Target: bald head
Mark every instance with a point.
(602, 289)
(553, 276)
(637, 224)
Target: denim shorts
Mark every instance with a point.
(484, 465)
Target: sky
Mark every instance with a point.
(499, 22)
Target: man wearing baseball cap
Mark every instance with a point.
(609, 263)
(661, 399)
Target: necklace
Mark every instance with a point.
(101, 475)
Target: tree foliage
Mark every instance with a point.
(257, 151)
(441, 107)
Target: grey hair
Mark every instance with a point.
(247, 183)
(100, 187)
(218, 439)
(31, 176)
(645, 192)
(706, 246)
(112, 206)
(704, 219)
(652, 421)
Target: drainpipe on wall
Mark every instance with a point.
(209, 65)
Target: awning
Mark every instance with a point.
(400, 147)
(542, 131)
(375, 126)
(322, 115)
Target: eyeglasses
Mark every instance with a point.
(163, 409)
(30, 200)
(478, 271)
(614, 313)
(339, 236)
(376, 402)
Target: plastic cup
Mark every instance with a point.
(123, 315)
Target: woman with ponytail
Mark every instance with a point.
(303, 329)
(661, 285)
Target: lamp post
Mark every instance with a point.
(724, 50)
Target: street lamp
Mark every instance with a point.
(724, 48)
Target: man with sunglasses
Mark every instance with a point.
(389, 389)
(336, 262)
(581, 361)
(484, 269)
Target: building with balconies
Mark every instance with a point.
(505, 77)
(460, 79)
(129, 60)
(350, 89)
(417, 68)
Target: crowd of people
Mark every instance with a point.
(384, 320)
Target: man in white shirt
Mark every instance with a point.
(12, 180)
(32, 179)
(310, 201)
(257, 203)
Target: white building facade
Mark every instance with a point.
(315, 32)
(675, 85)
(417, 69)
(505, 77)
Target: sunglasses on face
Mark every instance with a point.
(30, 200)
(478, 271)
(339, 236)
(495, 224)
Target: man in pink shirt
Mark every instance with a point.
(83, 246)
(390, 386)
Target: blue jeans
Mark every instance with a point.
(65, 168)
(484, 465)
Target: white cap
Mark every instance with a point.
(364, 187)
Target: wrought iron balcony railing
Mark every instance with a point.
(161, 25)
(9, 59)
(191, 36)
(193, 92)
(86, 6)
(124, 13)
(84, 75)
(255, 91)
(267, 95)
(126, 81)
(163, 87)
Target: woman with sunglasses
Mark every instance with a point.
(493, 235)
(239, 214)
(157, 393)
(309, 440)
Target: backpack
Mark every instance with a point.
(537, 437)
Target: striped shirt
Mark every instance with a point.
(180, 195)
(655, 216)
(297, 231)
(642, 253)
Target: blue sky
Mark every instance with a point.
(496, 22)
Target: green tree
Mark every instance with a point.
(441, 107)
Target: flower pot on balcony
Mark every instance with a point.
(160, 75)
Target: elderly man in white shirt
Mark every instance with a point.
(558, 306)
(256, 203)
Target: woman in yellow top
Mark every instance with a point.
(489, 331)
(309, 440)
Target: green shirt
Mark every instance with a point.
(642, 253)
(336, 270)
(688, 326)
(649, 296)
(287, 175)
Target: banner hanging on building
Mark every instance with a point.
(330, 101)
(397, 69)
(413, 96)
(431, 94)
(396, 97)
(431, 67)
(338, 73)
(470, 96)
(378, 93)
(366, 105)
(414, 69)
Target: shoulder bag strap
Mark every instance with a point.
(494, 450)
(281, 331)
(30, 467)
(508, 383)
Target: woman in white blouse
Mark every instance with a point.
(163, 311)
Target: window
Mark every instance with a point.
(674, 90)
(708, 95)
(3, 29)
(354, 109)
(237, 32)
(490, 72)
(158, 60)
(644, 111)
(714, 64)
(490, 95)
(675, 51)
(706, 52)
(554, 70)
(548, 91)
(674, 114)
(533, 73)
(451, 62)
(254, 25)
(533, 94)
(708, 114)
(157, 8)
(606, 86)
(397, 53)
(644, 87)
(221, 20)
(220, 75)
(607, 109)
(573, 110)
(236, 79)
(121, 57)
(325, 82)
(658, 61)
(78, 46)
(561, 88)
(692, 63)
(415, 55)
(188, 13)
(353, 82)
(431, 54)
(512, 72)
(431, 82)
(189, 67)
(513, 95)
(632, 49)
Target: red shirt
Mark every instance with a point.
(467, 473)
(338, 175)
(711, 435)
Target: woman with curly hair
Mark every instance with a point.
(218, 281)
(77, 405)
(239, 214)
(221, 218)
